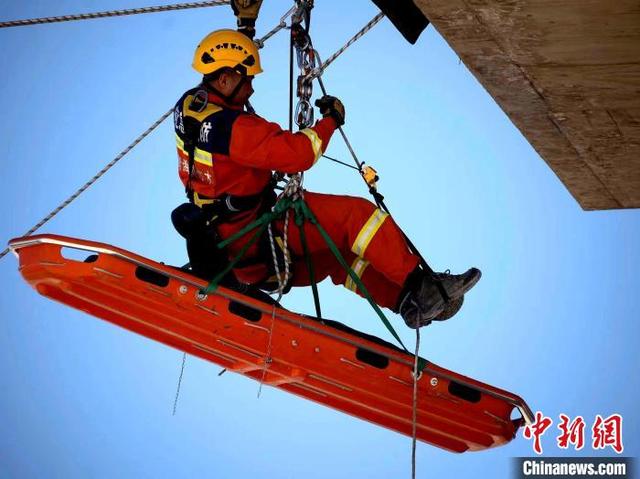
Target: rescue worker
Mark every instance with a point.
(226, 159)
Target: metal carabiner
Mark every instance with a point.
(301, 39)
(305, 88)
(304, 114)
(308, 60)
(302, 10)
(300, 58)
(315, 71)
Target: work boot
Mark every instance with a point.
(451, 308)
(425, 303)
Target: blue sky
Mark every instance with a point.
(554, 319)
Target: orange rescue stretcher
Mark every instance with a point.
(321, 360)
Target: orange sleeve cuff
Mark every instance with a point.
(325, 128)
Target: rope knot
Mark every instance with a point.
(293, 188)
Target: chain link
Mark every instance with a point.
(306, 59)
(113, 13)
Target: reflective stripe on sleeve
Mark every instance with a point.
(358, 267)
(316, 143)
(368, 231)
(203, 157)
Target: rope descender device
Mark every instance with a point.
(370, 175)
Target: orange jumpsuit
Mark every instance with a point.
(235, 153)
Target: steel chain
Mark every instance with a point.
(306, 59)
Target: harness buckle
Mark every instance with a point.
(200, 202)
(200, 101)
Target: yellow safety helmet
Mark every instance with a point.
(227, 49)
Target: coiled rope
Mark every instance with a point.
(291, 190)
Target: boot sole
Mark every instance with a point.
(455, 294)
(440, 308)
(450, 309)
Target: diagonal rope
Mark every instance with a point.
(113, 13)
(317, 74)
(335, 160)
(98, 175)
(372, 23)
(282, 24)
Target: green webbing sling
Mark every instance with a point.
(307, 258)
(261, 223)
(302, 213)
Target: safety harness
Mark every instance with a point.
(224, 206)
(198, 219)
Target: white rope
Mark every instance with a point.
(319, 71)
(415, 406)
(282, 24)
(293, 190)
(175, 401)
(96, 177)
(112, 13)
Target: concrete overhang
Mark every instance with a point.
(567, 73)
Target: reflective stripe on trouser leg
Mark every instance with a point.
(368, 231)
(358, 266)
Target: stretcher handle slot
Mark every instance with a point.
(464, 392)
(153, 277)
(244, 311)
(75, 254)
(372, 359)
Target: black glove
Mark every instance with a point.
(246, 11)
(331, 106)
